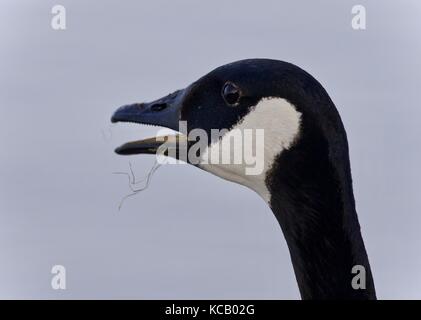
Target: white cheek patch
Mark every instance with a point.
(279, 122)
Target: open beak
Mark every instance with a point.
(164, 112)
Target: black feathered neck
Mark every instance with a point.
(312, 198)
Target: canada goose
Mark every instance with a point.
(306, 177)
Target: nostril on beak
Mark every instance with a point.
(159, 107)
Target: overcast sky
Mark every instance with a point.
(191, 234)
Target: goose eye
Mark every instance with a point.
(231, 93)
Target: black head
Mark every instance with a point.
(232, 96)
(220, 99)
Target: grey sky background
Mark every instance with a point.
(191, 234)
